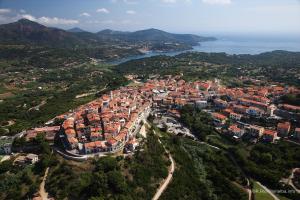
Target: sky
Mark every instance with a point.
(180, 16)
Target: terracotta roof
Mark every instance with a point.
(47, 129)
(219, 116)
(234, 128)
(90, 145)
(270, 132)
(112, 141)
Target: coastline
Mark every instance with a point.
(237, 45)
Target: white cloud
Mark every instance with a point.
(103, 10)
(55, 21)
(29, 17)
(175, 1)
(4, 10)
(22, 11)
(84, 14)
(50, 20)
(169, 1)
(131, 12)
(217, 2)
(125, 1)
(112, 22)
(130, 1)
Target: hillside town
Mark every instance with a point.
(110, 123)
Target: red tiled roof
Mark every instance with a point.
(112, 141)
(219, 116)
(270, 132)
(234, 128)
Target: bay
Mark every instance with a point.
(233, 44)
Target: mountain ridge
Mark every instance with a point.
(76, 30)
(25, 31)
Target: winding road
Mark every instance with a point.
(167, 181)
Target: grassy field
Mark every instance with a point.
(260, 193)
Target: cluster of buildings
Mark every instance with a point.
(29, 159)
(235, 109)
(110, 123)
(173, 93)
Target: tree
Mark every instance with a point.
(5, 166)
(106, 164)
(116, 181)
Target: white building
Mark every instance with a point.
(201, 104)
(5, 145)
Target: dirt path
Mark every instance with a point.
(143, 131)
(167, 181)
(37, 107)
(9, 123)
(42, 191)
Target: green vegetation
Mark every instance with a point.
(202, 172)
(268, 163)
(17, 182)
(198, 122)
(134, 177)
(278, 66)
(40, 94)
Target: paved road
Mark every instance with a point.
(167, 181)
(268, 191)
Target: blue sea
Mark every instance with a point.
(235, 44)
(250, 44)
